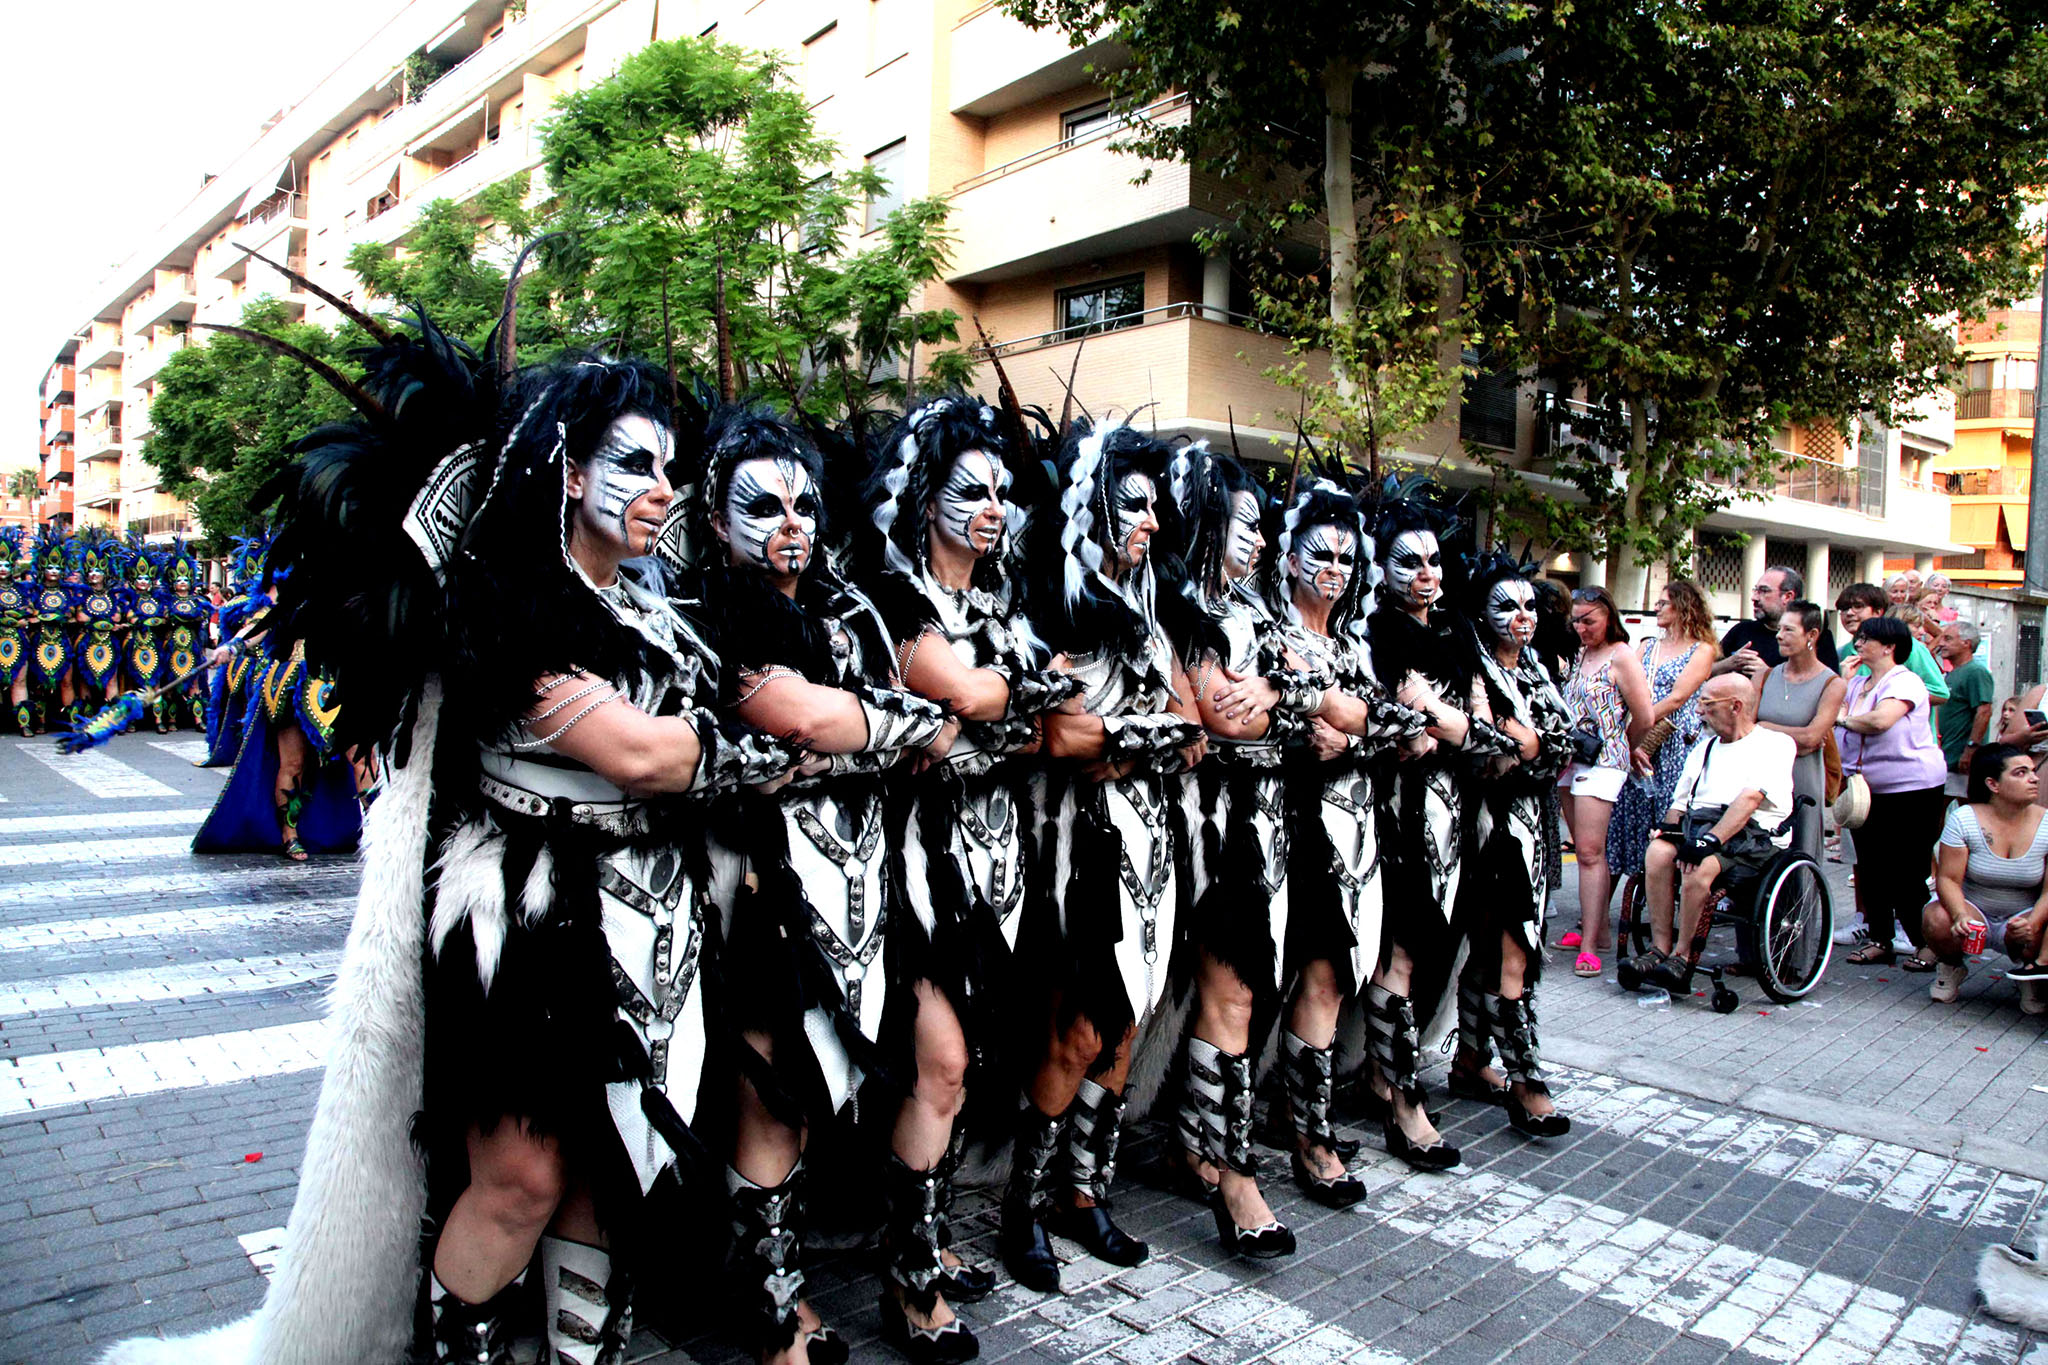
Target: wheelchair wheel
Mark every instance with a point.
(1788, 937)
(1634, 933)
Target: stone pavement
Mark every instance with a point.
(160, 1026)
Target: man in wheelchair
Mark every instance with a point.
(1730, 815)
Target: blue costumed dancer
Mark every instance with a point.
(96, 609)
(228, 693)
(49, 643)
(142, 656)
(185, 637)
(15, 610)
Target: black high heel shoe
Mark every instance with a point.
(965, 1283)
(1098, 1236)
(1267, 1242)
(1339, 1193)
(1469, 1086)
(1550, 1125)
(827, 1347)
(948, 1345)
(1436, 1156)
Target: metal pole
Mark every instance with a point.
(2036, 582)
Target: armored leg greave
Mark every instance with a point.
(1216, 1107)
(582, 1328)
(767, 1234)
(1396, 1040)
(472, 1333)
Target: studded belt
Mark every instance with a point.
(623, 818)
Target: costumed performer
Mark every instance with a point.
(144, 620)
(49, 639)
(15, 610)
(97, 607)
(185, 636)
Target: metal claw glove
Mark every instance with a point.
(735, 756)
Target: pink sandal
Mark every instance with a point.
(1587, 965)
(1570, 941)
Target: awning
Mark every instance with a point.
(262, 189)
(1974, 523)
(473, 109)
(1980, 455)
(2015, 523)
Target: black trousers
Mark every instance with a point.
(1894, 852)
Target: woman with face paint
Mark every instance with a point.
(941, 520)
(1251, 702)
(1504, 896)
(810, 661)
(1334, 927)
(1100, 915)
(1427, 657)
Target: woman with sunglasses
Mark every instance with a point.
(1884, 735)
(1608, 695)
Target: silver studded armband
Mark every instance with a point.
(734, 756)
(1034, 691)
(1155, 738)
(1301, 693)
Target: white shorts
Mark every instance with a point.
(1604, 783)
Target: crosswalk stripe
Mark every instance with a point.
(100, 774)
(95, 851)
(229, 975)
(212, 883)
(203, 919)
(192, 749)
(52, 1079)
(263, 1248)
(113, 819)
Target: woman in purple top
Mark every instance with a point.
(1884, 733)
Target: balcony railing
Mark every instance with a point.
(2013, 403)
(1963, 483)
(1121, 123)
(1146, 317)
(1827, 484)
(284, 204)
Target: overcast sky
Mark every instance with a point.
(114, 112)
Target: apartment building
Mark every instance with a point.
(1989, 472)
(1059, 252)
(56, 438)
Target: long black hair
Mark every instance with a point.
(908, 468)
(1322, 503)
(1070, 548)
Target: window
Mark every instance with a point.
(817, 229)
(888, 31)
(1100, 307)
(2022, 373)
(1979, 375)
(820, 50)
(1089, 118)
(887, 163)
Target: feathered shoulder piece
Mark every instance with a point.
(1076, 602)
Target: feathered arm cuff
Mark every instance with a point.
(897, 721)
(1155, 739)
(1034, 691)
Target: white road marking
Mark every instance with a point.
(113, 819)
(210, 884)
(192, 749)
(200, 919)
(263, 1248)
(100, 774)
(90, 989)
(50, 1080)
(96, 851)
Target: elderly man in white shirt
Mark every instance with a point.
(1732, 812)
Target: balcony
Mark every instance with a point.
(1000, 64)
(60, 426)
(1827, 484)
(144, 361)
(60, 384)
(102, 387)
(1202, 368)
(2005, 405)
(276, 227)
(1074, 201)
(58, 466)
(99, 441)
(170, 299)
(507, 157)
(1970, 483)
(100, 492)
(99, 346)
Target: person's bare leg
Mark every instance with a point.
(1596, 883)
(924, 1125)
(1514, 972)
(1112, 1081)
(294, 755)
(1223, 1019)
(1699, 884)
(1398, 977)
(516, 1184)
(1660, 867)
(1313, 1019)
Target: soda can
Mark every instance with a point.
(1973, 936)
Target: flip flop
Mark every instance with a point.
(1588, 965)
(1570, 941)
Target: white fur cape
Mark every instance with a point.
(2014, 1280)
(348, 1276)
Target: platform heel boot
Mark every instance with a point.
(1397, 1051)
(961, 1282)
(914, 1244)
(1217, 1115)
(1514, 1028)
(767, 1269)
(583, 1328)
(1094, 1128)
(1027, 1202)
(472, 1333)
(1475, 1041)
(1309, 1074)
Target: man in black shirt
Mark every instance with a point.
(1751, 647)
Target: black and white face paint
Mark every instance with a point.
(1511, 610)
(1137, 517)
(771, 514)
(1325, 559)
(627, 465)
(969, 512)
(1415, 567)
(1242, 541)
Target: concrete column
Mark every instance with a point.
(1592, 572)
(1817, 573)
(1752, 567)
(1871, 570)
(1924, 563)
(1216, 287)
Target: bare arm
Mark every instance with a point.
(1950, 865)
(1690, 679)
(825, 720)
(1810, 736)
(635, 752)
(1739, 811)
(936, 672)
(1635, 694)
(1218, 716)
(1878, 718)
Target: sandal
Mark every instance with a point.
(1570, 941)
(1871, 954)
(1918, 962)
(1587, 965)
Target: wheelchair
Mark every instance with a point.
(1783, 920)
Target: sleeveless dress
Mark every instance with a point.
(1643, 803)
(1793, 703)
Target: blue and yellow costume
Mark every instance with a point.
(16, 575)
(49, 645)
(185, 635)
(142, 655)
(229, 689)
(97, 606)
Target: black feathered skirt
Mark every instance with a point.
(1240, 862)
(1422, 838)
(1506, 891)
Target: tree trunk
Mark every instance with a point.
(1340, 206)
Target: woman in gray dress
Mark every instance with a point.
(1800, 698)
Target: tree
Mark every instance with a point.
(23, 482)
(226, 414)
(697, 200)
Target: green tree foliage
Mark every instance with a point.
(694, 194)
(1711, 218)
(226, 414)
(22, 482)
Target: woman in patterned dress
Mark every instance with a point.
(1676, 663)
(1609, 695)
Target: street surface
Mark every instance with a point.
(1810, 1183)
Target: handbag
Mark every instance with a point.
(1831, 768)
(1851, 805)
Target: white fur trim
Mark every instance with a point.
(538, 893)
(348, 1276)
(472, 887)
(2014, 1287)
